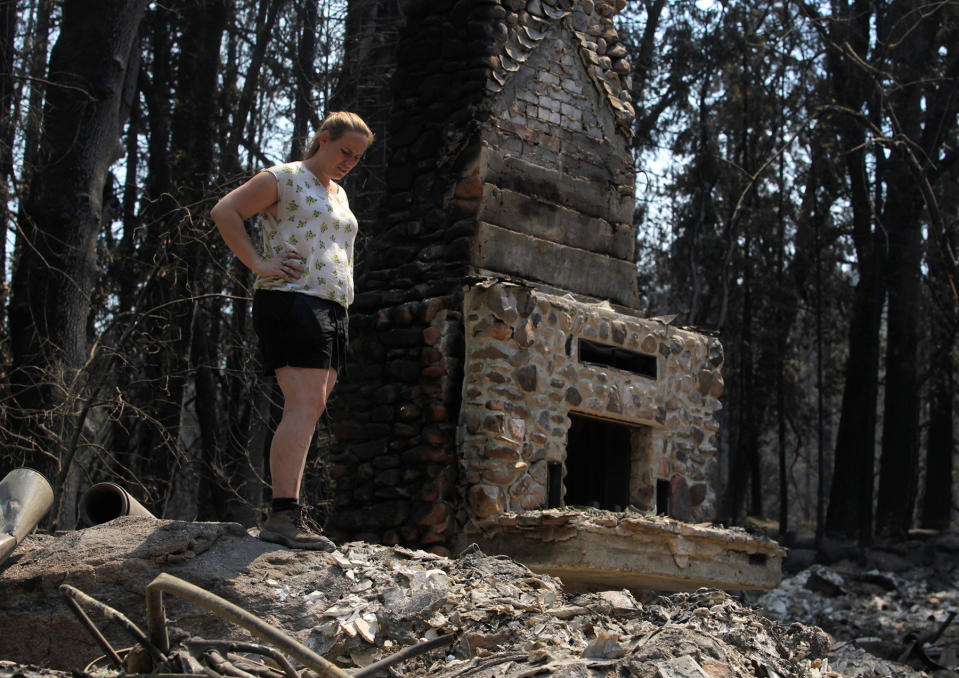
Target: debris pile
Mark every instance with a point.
(523, 624)
(489, 615)
(365, 602)
(890, 611)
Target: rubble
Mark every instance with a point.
(877, 606)
(365, 602)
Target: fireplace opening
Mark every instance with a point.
(554, 484)
(598, 461)
(642, 364)
(663, 489)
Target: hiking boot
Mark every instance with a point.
(286, 528)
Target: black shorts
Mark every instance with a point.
(299, 330)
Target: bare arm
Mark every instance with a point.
(259, 194)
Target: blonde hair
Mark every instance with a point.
(336, 125)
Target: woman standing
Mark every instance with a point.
(304, 285)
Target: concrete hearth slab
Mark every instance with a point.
(593, 550)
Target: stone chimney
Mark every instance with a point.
(503, 381)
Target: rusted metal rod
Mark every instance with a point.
(75, 596)
(224, 666)
(198, 645)
(405, 653)
(257, 668)
(95, 632)
(156, 622)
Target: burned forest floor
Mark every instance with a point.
(881, 612)
(889, 610)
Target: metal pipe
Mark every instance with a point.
(105, 501)
(228, 646)
(397, 657)
(25, 497)
(95, 632)
(76, 596)
(224, 666)
(156, 622)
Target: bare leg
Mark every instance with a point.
(305, 392)
(304, 398)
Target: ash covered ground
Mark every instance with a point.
(866, 616)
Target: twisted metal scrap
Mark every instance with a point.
(156, 622)
(220, 655)
(75, 597)
(919, 644)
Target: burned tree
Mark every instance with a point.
(92, 70)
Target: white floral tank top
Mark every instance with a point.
(318, 226)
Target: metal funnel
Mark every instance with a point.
(25, 497)
(105, 501)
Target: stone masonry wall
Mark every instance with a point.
(393, 464)
(523, 378)
(468, 154)
(395, 410)
(481, 182)
(551, 185)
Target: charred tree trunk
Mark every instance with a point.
(193, 133)
(37, 59)
(780, 358)
(124, 254)
(235, 464)
(744, 458)
(8, 94)
(940, 439)
(265, 22)
(899, 463)
(61, 217)
(131, 430)
(305, 118)
(943, 317)
(851, 494)
(180, 167)
(914, 110)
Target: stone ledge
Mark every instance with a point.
(595, 550)
(543, 219)
(501, 249)
(592, 198)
